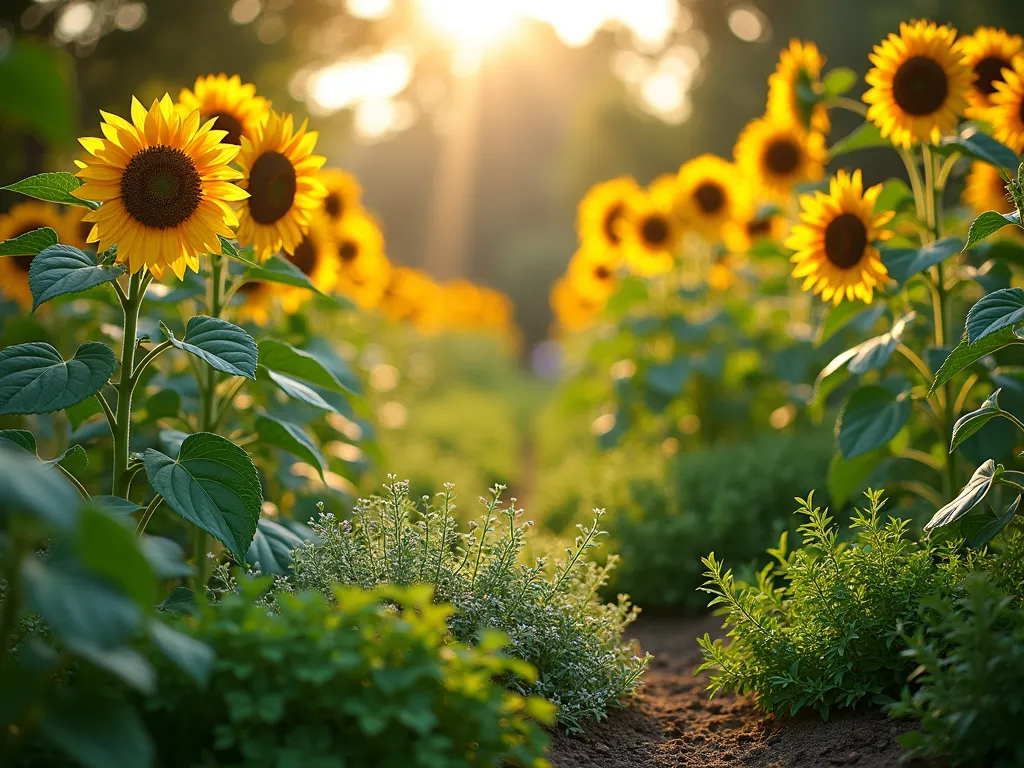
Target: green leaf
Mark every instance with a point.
(297, 390)
(993, 312)
(165, 557)
(989, 223)
(971, 422)
(278, 270)
(839, 80)
(837, 318)
(895, 196)
(631, 291)
(245, 256)
(62, 269)
(867, 135)
(181, 602)
(111, 551)
(81, 412)
(29, 486)
(74, 456)
(283, 358)
(272, 548)
(116, 506)
(290, 437)
(35, 379)
(979, 529)
(21, 438)
(191, 656)
(904, 263)
(30, 243)
(74, 459)
(966, 354)
(212, 484)
(875, 353)
(98, 734)
(38, 92)
(873, 416)
(980, 146)
(162, 404)
(669, 378)
(52, 187)
(221, 345)
(848, 476)
(970, 496)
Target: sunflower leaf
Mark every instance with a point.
(904, 263)
(839, 80)
(34, 378)
(989, 223)
(970, 496)
(278, 270)
(867, 135)
(51, 187)
(1000, 309)
(966, 354)
(222, 345)
(30, 243)
(245, 256)
(873, 416)
(62, 269)
(979, 146)
(284, 358)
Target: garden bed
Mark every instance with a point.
(672, 723)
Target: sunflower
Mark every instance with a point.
(1007, 112)
(600, 210)
(280, 171)
(834, 241)
(232, 103)
(777, 155)
(919, 83)
(363, 270)
(412, 296)
(164, 185)
(743, 234)
(317, 258)
(257, 301)
(343, 193)
(593, 273)
(21, 219)
(650, 232)
(986, 189)
(987, 52)
(799, 65)
(711, 194)
(573, 311)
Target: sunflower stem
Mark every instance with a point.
(131, 306)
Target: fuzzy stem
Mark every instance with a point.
(131, 305)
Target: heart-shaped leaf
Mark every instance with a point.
(35, 379)
(971, 422)
(30, 243)
(995, 311)
(212, 484)
(298, 364)
(272, 548)
(873, 416)
(867, 135)
(978, 145)
(904, 263)
(220, 344)
(72, 459)
(969, 497)
(989, 223)
(966, 354)
(62, 269)
(52, 187)
(290, 437)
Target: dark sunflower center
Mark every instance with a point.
(24, 261)
(334, 206)
(84, 230)
(160, 187)
(231, 124)
(845, 240)
(782, 157)
(348, 251)
(305, 256)
(710, 197)
(249, 288)
(989, 71)
(654, 230)
(271, 187)
(920, 86)
(610, 219)
(759, 227)
(602, 273)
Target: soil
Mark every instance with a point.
(672, 724)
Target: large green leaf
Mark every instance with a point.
(35, 379)
(971, 422)
(970, 496)
(290, 437)
(30, 243)
(298, 390)
(283, 358)
(873, 416)
(220, 344)
(278, 270)
(193, 657)
(212, 484)
(867, 135)
(989, 223)
(62, 269)
(272, 548)
(97, 733)
(29, 486)
(998, 310)
(904, 263)
(966, 354)
(979, 529)
(112, 552)
(875, 353)
(978, 145)
(52, 187)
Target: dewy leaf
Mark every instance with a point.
(971, 496)
(30, 243)
(904, 263)
(212, 484)
(278, 270)
(966, 354)
(52, 187)
(999, 309)
(867, 135)
(989, 223)
(283, 358)
(290, 437)
(971, 422)
(873, 416)
(62, 269)
(978, 145)
(35, 379)
(220, 344)
(272, 548)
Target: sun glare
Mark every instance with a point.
(471, 22)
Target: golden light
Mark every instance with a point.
(473, 23)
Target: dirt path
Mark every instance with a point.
(673, 725)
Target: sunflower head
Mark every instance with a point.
(602, 208)
(23, 218)
(650, 232)
(1007, 111)
(987, 52)
(344, 194)
(412, 296)
(778, 155)
(280, 174)
(834, 241)
(593, 273)
(164, 187)
(233, 104)
(316, 256)
(919, 83)
(573, 311)
(799, 66)
(763, 223)
(986, 189)
(363, 270)
(255, 302)
(711, 194)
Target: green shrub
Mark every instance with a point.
(830, 635)
(730, 500)
(970, 678)
(316, 683)
(550, 611)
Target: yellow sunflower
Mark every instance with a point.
(593, 273)
(465, 305)
(164, 185)
(743, 234)
(919, 83)
(834, 241)
(280, 173)
(988, 52)
(573, 311)
(255, 302)
(363, 270)
(986, 189)
(317, 258)
(232, 103)
(777, 156)
(21, 219)
(601, 208)
(412, 296)
(343, 193)
(650, 232)
(800, 64)
(1007, 112)
(711, 194)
